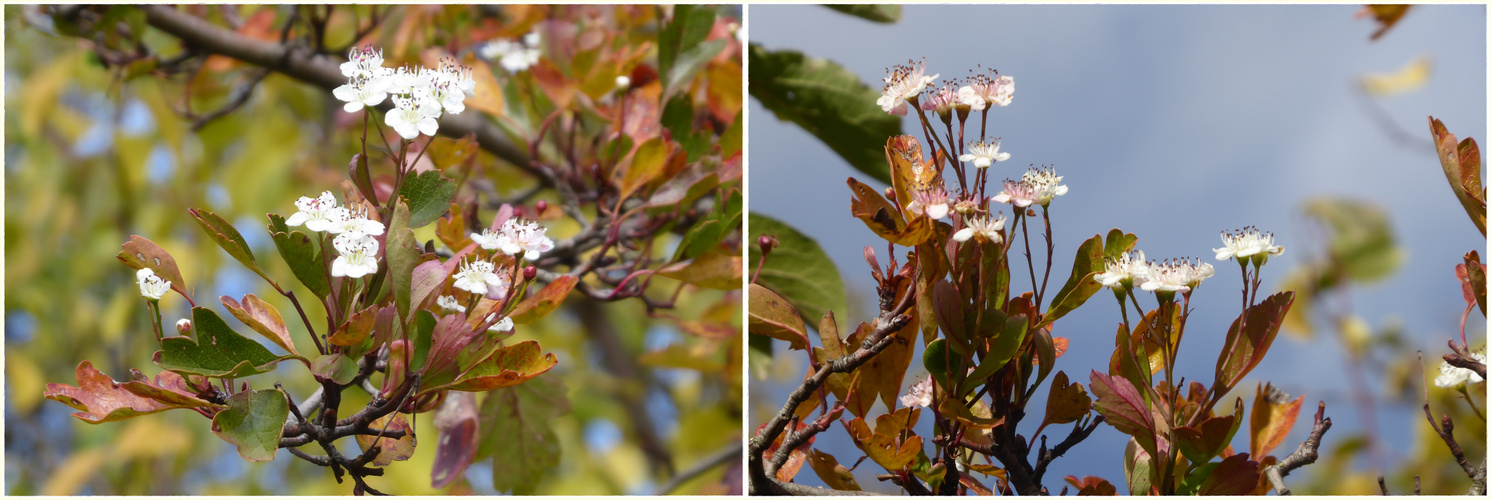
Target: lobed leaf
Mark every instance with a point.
(516, 430)
(711, 270)
(301, 254)
(254, 421)
(390, 450)
(217, 351)
(1067, 402)
(1272, 417)
(262, 318)
(506, 367)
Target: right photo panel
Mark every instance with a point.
(1116, 249)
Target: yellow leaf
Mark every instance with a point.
(1409, 78)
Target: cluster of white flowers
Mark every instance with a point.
(1452, 376)
(449, 303)
(503, 325)
(920, 393)
(356, 248)
(984, 153)
(984, 227)
(480, 277)
(513, 55)
(1248, 244)
(1130, 270)
(516, 236)
(420, 95)
(151, 286)
(1037, 186)
(905, 83)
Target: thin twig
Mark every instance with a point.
(719, 458)
(1306, 454)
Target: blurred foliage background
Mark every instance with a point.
(94, 155)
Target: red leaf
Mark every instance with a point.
(1123, 406)
(456, 424)
(1244, 350)
(101, 399)
(1234, 476)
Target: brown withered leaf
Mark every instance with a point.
(833, 474)
(1092, 486)
(1067, 402)
(390, 450)
(100, 399)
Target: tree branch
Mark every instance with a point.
(315, 69)
(717, 459)
(1306, 454)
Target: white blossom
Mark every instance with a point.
(503, 325)
(479, 277)
(1037, 186)
(919, 394)
(354, 221)
(1451, 376)
(151, 286)
(984, 227)
(513, 55)
(357, 255)
(363, 62)
(360, 92)
(904, 83)
(518, 235)
(983, 154)
(1180, 275)
(1121, 273)
(449, 303)
(315, 213)
(413, 116)
(1246, 243)
(486, 239)
(984, 90)
(934, 203)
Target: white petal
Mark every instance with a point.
(963, 234)
(937, 211)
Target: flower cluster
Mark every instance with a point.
(984, 228)
(1168, 276)
(919, 394)
(355, 244)
(984, 153)
(1037, 186)
(420, 95)
(481, 277)
(516, 236)
(905, 83)
(1248, 244)
(513, 55)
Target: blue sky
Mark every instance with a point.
(1173, 122)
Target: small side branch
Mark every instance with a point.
(1306, 454)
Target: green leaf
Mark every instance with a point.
(688, 28)
(302, 255)
(734, 138)
(336, 367)
(254, 421)
(940, 361)
(421, 335)
(228, 238)
(517, 432)
(217, 351)
(797, 269)
(1079, 286)
(428, 195)
(880, 13)
(678, 118)
(403, 255)
(714, 228)
(829, 102)
(1361, 237)
(689, 63)
(1002, 348)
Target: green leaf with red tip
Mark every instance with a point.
(506, 367)
(262, 318)
(1123, 407)
(1244, 349)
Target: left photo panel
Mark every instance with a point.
(373, 249)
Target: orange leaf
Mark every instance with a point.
(538, 305)
(390, 449)
(261, 317)
(1272, 417)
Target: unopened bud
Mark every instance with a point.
(767, 243)
(623, 82)
(890, 194)
(540, 206)
(529, 273)
(184, 327)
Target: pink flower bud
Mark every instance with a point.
(529, 273)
